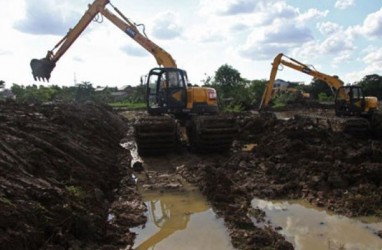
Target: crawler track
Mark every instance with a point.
(212, 133)
(156, 134)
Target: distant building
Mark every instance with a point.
(281, 84)
(119, 95)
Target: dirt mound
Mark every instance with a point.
(291, 159)
(59, 166)
(298, 159)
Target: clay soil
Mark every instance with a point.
(65, 181)
(63, 177)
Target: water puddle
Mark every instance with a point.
(180, 220)
(307, 227)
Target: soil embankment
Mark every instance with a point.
(65, 181)
(61, 167)
(290, 159)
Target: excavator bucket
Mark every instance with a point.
(41, 69)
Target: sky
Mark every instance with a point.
(337, 37)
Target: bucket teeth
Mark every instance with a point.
(41, 69)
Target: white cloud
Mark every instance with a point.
(166, 26)
(312, 14)
(239, 7)
(372, 25)
(265, 42)
(343, 57)
(344, 4)
(53, 18)
(335, 44)
(134, 50)
(283, 28)
(374, 56)
(328, 28)
(226, 7)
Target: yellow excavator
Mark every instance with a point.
(174, 106)
(360, 112)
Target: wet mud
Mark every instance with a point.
(62, 172)
(66, 181)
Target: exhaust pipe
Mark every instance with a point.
(41, 69)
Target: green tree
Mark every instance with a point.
(256, 88)
(234, 92)
(226, 75)
(18, 90)
(319, 86)
(103, 96)
(85, 92)
(371, 85)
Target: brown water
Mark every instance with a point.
(307, 227)
(180, 220)
(176, 219)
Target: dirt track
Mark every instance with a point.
(65, 181)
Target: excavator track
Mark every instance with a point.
(156, 134)
(357, 126)
(212, 133)
(376, 124)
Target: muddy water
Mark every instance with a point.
(178, 215)
(180, 221)
(307, 227)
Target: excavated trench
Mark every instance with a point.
(66, 182)
(178, 215)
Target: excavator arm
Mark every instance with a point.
(332, 81)
(42, 68)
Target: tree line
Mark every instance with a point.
(79, 93)
(235, 93)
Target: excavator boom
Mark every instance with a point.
(193, 111)
(42, 68)
(361, 112)
(332, 81)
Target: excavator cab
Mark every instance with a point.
(352, 103)
(166, 91)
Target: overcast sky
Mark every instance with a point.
(340, 37)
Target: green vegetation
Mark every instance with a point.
(129, 105)
(235, 93)
(323, 97)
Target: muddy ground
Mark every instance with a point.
(65, 180)
(63, 175)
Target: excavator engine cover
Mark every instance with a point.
(41, 68)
